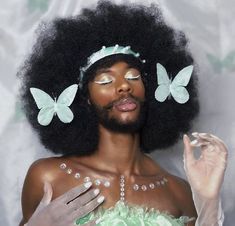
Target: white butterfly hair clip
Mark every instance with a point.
(49, 107)
(176, 87)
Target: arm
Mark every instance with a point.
(32, 192)
(205, 176)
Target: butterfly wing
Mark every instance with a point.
(180, 94)
(177, 87)
(229, 61)
(183, 76)
(42, 99)
(67, 96)
(64, 113)
(46, 105)
(215, 62)
(64, 101)
(45, 115)
(163, 89)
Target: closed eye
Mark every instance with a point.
(103, 82)
(131, 77)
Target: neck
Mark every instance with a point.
(119, 152)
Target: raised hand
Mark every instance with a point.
(67, 208)
(205, 174)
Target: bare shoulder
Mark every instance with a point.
(44, 169)
(41, 170)
(181, 190)
(179, 187)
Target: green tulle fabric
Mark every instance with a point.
(123, 214)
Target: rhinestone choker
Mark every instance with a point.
(106, 183)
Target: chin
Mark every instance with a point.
(127, 124)
(121, 122)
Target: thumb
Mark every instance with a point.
(47, 196)
(46, 199)
(188, 150)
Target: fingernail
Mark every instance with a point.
(96, 191)
(100, 199)
(195, 133)
(194, 142)
(87, 184)
(203, 134)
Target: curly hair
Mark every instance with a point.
(62, 49)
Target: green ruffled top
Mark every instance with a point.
(123, 214)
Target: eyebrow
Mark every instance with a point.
(105, 70)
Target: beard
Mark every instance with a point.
(113, 124)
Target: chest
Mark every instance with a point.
(150, 192)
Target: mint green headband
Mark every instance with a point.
(104, 52)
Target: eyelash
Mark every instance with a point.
(107, 82)
(134, 78)
(103, 82)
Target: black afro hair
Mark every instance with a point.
(63, 47)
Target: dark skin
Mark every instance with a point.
(117, 154)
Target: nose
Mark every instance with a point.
(124, 87)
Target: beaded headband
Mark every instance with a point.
(104, 52)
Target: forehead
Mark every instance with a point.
(118, 67)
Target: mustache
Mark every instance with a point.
(136, 100)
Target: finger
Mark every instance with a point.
(198, 143)
(221, 147)
(188, 150)
(219, 142)
(210, 137)
(73, 193)
(47, 196)
(83, 199)
(46, 199)
(203, 137)
(89, 207)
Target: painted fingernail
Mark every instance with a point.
(96, 191)
(195, 133)
(203, 134)
(194, 142)
(87, 184)
(100, 199)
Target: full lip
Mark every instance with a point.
(126, 104)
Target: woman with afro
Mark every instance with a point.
(103, 89)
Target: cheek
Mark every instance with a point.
(139, 91)
(102, 96)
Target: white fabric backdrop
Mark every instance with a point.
(210, 27)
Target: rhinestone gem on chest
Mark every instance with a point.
(77, 175)
(122, 182)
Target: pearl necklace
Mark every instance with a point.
(106, 183)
